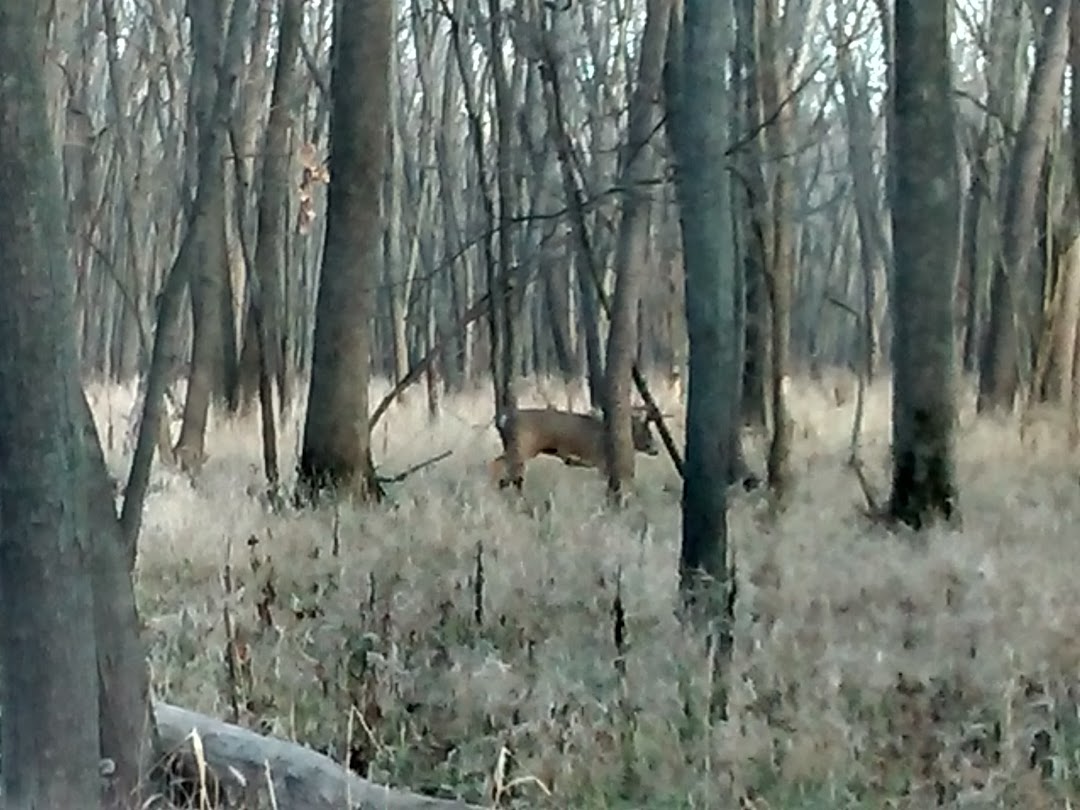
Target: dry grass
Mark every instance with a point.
(870, 670)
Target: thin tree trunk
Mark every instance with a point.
(208, 277)
(502, 286)
(757, 228)
(1000, 367)
(629, 248)
(779, 101)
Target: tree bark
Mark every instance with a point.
(999, 376)
(755, 246)
(779, 101)
(301, 778)
(925, 218)
(873, 250)
(502, 286)
(266, 297)
(337, 442)
(206, 278)
(698, 131)
(272, 210)
(49, 736)
(128, 731)
(630, 248)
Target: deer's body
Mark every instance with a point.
(576, 438)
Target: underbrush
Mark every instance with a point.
(460, 643)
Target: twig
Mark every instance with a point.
(873, 504)
(844, 305)
(401, 476)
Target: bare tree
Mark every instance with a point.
(925, 218)
(999, 377)
(219, 56)
(775, 74)
(337, 441)
(201, 218)
(68, 611)
(630, 246)
(502, 285)
(698, 133)
(754, 214)
(265, 299)
(265, 311)
(873, 246)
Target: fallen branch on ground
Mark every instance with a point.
(302, 779)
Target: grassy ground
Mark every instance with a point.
(870, 670)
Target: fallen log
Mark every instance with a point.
(300, 778)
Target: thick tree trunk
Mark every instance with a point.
(337, 442)
(925, 214)
(49, 736)
(698, 135)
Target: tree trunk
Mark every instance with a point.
(501, 285)
(272, 215)
(396, 275)
(553, 72)
(630, 248)
(207, 277)
(698, 133)
(925, 218)
(127, 730)
(872, 246)
(756, 228)
(207, 337)
(337, 442)
(972, 251)
(778, 100)
(1000, 368)
(49, 736)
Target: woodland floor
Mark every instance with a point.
(870, 669)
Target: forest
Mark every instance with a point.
(428, 404)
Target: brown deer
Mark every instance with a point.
(576, 438)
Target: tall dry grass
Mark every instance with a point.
(870, 669)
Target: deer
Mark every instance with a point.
(576, 438)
